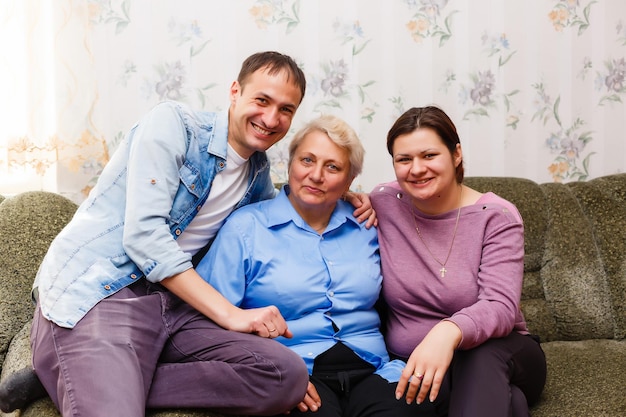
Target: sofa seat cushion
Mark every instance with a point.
(585, 378)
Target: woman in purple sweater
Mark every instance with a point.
(453, 263)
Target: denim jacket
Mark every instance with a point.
(147, 194)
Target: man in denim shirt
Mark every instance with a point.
(123, 321)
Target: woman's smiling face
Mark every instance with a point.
(424, 166)
(319, 174)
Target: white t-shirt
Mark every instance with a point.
(227, 190)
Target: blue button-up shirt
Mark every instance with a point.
(325, 286)
(147, 194)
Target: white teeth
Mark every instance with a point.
(260, 130)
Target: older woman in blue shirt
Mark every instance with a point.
(305, 253)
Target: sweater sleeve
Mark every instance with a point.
(499, 280)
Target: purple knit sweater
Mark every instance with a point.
(482, 287)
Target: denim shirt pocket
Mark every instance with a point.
(189, 192)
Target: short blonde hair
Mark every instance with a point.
(340, 133)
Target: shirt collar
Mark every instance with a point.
(219, 143)
(283, 212)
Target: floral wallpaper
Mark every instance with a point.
(536, 87)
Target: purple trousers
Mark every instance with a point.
(145, 348)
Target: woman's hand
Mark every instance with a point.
(311, 400)
(428, 363)
(363, 208)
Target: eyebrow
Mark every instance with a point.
(338, 162)
(270, 98)
(420, 153)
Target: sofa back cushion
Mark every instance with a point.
(603, 202)
(573, 275)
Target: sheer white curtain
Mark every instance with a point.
(48, 93)
(27, 104)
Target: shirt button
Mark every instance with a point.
(152, 181)
(221, 164)
(107, 287)
(331, 293)
(177, 232)
(133, 276)
(193, 186)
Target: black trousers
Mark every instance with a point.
(501, 377)
(348, 387)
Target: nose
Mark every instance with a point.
(271, 117)
(416, 166)
(316, 173)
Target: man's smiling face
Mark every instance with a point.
(261, 111)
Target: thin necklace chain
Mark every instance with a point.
(443, 269)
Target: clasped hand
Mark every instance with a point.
(263, 321)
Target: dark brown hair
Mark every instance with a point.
(274, 63)
(429, 117)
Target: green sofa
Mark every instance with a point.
(574, 294)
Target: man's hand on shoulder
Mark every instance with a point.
(363, 208)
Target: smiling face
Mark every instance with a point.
(426, 170)
(261, 113)
(319, 174)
